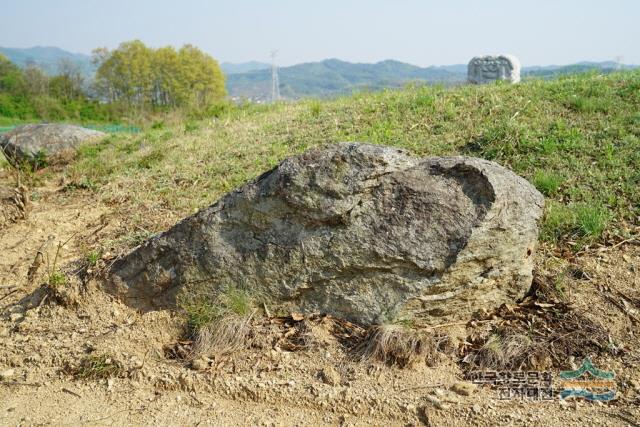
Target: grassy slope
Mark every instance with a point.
(577, 139)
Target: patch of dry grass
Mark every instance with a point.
(396, 345)
(219, 324)
(224, 335)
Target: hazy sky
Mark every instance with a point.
(423, 32)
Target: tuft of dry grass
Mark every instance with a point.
(217, 325)
(394, 345)
(226, 334)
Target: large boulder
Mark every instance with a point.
(359, 231)
(41, 143)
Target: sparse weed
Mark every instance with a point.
(559, 285)
(92, 258)
(56, 279)
(97, 367)
(135, 238)
(202, 311)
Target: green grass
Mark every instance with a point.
(92, 258)
(203, 311)
(581, 222)
(57, 279)
(547, 182)
(591, 220)
(576, 138)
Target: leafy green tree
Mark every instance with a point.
(142, 77)
(202, 81)
(70, 80)
(11, 78)
(166, 77)
(125, 74)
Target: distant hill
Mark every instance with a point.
(48, 59)
(252, 80)
(333, 76)
(243, 67)
(580, 67)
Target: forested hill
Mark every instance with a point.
(333, 76)
(49, 59)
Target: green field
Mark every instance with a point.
(577, 139)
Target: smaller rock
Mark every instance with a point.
(464, 388)
(476, 409)
(438, 392)
(16, 316)
(186, 382)
(35, 144)
(409, 407)
(437, 403)
(199, 364)
(330, 376)
(7, 374)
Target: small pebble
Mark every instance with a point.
(464, 388)
(7, 374)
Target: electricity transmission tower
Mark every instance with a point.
(618, 60)
(275, 81)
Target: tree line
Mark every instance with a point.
(30, 93)
(129, 80)
(139, 76)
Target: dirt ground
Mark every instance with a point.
(45, 336)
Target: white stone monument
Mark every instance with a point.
(487, 69)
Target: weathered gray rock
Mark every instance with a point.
(487, 69)
(44, 142)
(359, 231)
